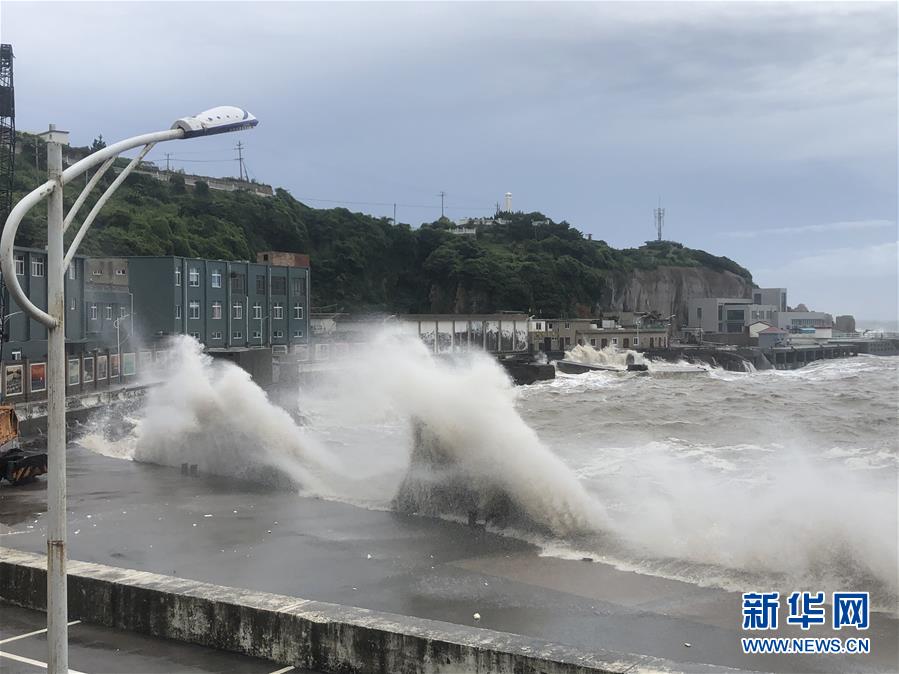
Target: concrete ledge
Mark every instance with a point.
(293, 631)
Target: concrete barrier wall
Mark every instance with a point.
(293, 631)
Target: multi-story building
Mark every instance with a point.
(734, 315)
(727, 314)
(222, 304)
(92, 305)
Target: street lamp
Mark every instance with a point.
(217, 120)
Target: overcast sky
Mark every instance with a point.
(768, 130)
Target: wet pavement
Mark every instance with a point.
(233, 533)
(98, 650)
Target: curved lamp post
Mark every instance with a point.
(217, 120)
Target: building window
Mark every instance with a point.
(568, 341)
(37, 267)
(699, 313)
(193, 310)
(120, 271)
(16, 355)
(614, 341)
(549, 326)
(238, 310)
(568, 326)
(257, 334)
(626, 342)
(216, 336)
(636, 341)
(298, 312)
(216, 279)
(593, 341)
(108, 312)
(279, 285)
(122, 313)
(299, 286)
(20, 265)
(237, 334)
(216, 310)
(237, 282)
(178, 312)
(73, 305)
(93, 312)
(278, 334)
(193, 277)
(177, 277)
(260, 284)
(757, 298)
(72, 273)
(603, 343)
(257, 312)
(297, 334)
(195, 335)
(277, 311)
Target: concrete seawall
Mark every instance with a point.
(300, 632)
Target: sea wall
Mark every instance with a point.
(299, 632)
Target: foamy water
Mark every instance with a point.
(782, 480)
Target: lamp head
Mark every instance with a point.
(222, 119)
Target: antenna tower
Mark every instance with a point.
(659, 214)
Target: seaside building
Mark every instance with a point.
(92, 305)
(560, 334)
(223, 304)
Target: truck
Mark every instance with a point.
(16, 465)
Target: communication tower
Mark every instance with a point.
(659, 214)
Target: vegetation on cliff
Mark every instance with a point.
(365, 263)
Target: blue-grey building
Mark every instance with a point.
(223, 304)
(92, 305)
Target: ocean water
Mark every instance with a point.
(765, 480)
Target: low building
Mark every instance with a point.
(771, 337)
(556, 335)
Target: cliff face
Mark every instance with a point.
(667, 289)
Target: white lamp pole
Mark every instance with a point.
(217, 120)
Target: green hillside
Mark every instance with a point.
(364, 263)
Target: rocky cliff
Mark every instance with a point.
(667, 289)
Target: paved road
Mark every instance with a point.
(97, 650)
(227, 532)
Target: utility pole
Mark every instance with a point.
(239, 149)
(168, 165)
(394, 213)
(442, 195)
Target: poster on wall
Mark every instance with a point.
(88, 374)
(101, 368)
(114, 365)
(129, 364)
(38, 377)
(74, 372)
(14, 380)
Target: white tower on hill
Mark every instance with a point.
(507, 202)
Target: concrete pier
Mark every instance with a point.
(300, 632)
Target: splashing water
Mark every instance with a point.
(772, 479)
(212, 414)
